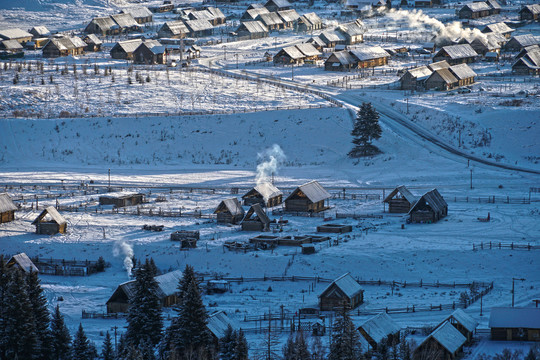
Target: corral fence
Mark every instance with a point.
(512, 246)
(139, 211)
(102, 315)
(489, 199)
(63, 267)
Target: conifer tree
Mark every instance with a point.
(366, 129)
(61, 340)
(318, 351)
(241, 346)
(41, 315)
(346, 341)
(227, 344)
(107, 351)
(82, 349)
(3, 303)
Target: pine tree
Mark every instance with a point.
(289, 349)
(241, 347)
(61, 340)
(82, 349)
(144, 314)
(107, 351)
(366, 129)
(296, 348)
(318, 351)
(227, 344)
(346, 342)
(41, 315)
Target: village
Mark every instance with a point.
(215, 135)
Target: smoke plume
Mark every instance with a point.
(443, 32)
(126, 250)
(271, 159)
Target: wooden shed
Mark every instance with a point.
(340, 61)
(275, 5)
(530, 12)
(265, 194)
(229, 211)
(252, 29)
(352, 31)
(500, 28)
(474, 10)
(289, 17)
(199, 28)
(218, 18)
(7, 208)
(271, 20)
(39, 32)
(126, 22)
(50, 222)
(441, 79)
(379, 327)
(332, 38)
(167, 292)
(528, 63)
(415, 79)
(13, 46)
(150, 52)
(309, 197)
(252, 14)
(309, 22)
(64, 46)
(429, 208)
(103, 26)
(463, 322)
(444, 343)
(256, 219)
(456, 54)
(289, 55)
(22, 261)
(173, 30)
(400, 200)
(93, 43)
(344, 291)
(217, 324)
(515, 324)
(121, 199)
(370, 56)
(15, 34)
(463, 73)
(519, 42)
(142, 15)
(124, 49)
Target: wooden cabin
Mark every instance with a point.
(229, 211)
(167, 292)
(289, 18)
(494, 6)
(309, 22)
(165, 7)
(344, 291)
(442, 80)
(463, 73)
(464, 323)
(16, 34)
(530, 12)
(252, 14)
(93, 43)
(474, 10)
(217, 324)
(275, 5)
(515, 324)
(193, 52)
(50, 222)
(415, 79)
(444, 343)
(265, 194)
(252, 29)
(370, 56)
(271, 20)
(484, 45)
(103, 26)
(430, 208)
(39, 32)
(150, 52)
(64, 46)
(121, 199)
(456, 54)
(400, 200)
(288, 55)
(340, 61)
(173, 30)
(7, 208)
(353, 32)
(218, 18)
(519, 42)
(379, 327)
(309, 197)
(256, 219)
(22, 262)
(199, 28)
(124, 49)
(332, 38)
(126, 22)
(528, 63)
(499, 28)
(142, 15)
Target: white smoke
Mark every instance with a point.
(124, 249)
(443, 32)
(271, 159)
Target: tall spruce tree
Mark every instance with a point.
(61, 340)
(82, 349)
(41, 316)
(227, 344)
(241, 347)
(366, 129)
(296, 348)
(144, 314)
(346, 341)
(107, 351)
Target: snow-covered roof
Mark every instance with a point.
(380, 326)
(343, 57)
(345, 283)
(267, 190)
(199, 25)
(128, 46)
(311, 19)
(462, 71)
(332, 36)
(364, 53)
(351, 29)
(308, 49)
(493, 4)
(11, 45)
(317, 40)
(499, 27)
(125, 20)
(54, 214)
(459, 51)
(201, 15)
(419, 72)
(92, 39)
(524, 40)
(270, 19)
(531, 58)
(216, 12)
(256, 213)
(478, 6)
(533, 8)
(433, 198)
(167, 284)
(293, 52)
(24, 262)
(176, 27)
(126, 194)
(489, 42)
(253, 13)
(515, 317)
(254, 26)
(464, 319)
(138, 12)
(40, 31)
(218, 323)
(15, 33)
(448, 336)
(104, 23)
(313, 190)
(439, 65)
(232, 205)
(280, 4)
(288, 15)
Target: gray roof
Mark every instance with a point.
(439, 65)
(533, 8)
(176, 27)
(343, 57)
(446, 76)
(516, 317)
(216, 12)
(104, 23)
(533, 57)
(433, 198)
(311, 18)
(254, 26)
(271, 18)
(138, 12)
(201, 15)
(478, 6)
(380, 326)
(420, 73)
(464, 319)
(167, 284)
(524, 40)
(40, 30)
(313, 190)
(6, 204)
(125, 20)
(448, 336)
(253, 13)
(232, 205)
(24, 262)
(402, 189)
(317, 40)
(11, 45)
(459, 51)
(218, 323)
(462, 71)
(67, 43)
(279, 3)
(493, 4)
(267, 190)
(127, 194)
(332, 36)
(292, 52)
(199, 25)
(128, 46)
(256, 213)
(288, 15)
(54, 214)
(308, 49)
(92, 39)
(365, 53)
(15, 33)
(347, 284)
(499, 27)
(351, 29)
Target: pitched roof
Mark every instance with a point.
(271, 18)
(167, 285)
(176, 27)
(54, 214)
(516, 317)
(462, 71)
(499, 27)
(308, 49)
(253, 13)
(332, 36)
(254, 26)
(15, 33)
(493, 4)
(343, 57)
(218, 323)
(402, 189)
(24, 262)
(459, 51)
(40, 30)
(11, 45)
(351, 29)
(347, 284)
(198, 25)
(420, 73)
(524, 40)
(67, 43)
(448, 336)
(292, 52)
(380, 326)
(288, 15)
(125, 20)
(533, 8)
(128, 46)
(533, 57)
(477, 6)
(267, 190)
(279, 3)
(311, 18)
(256, 213)
(439, 65)
(6, 204)
(201, 15)
(92, 39)
(138, 12)
(464, 319)
(317, 40)
(313, 190)
(433, 198)
(231, 205)
(365, 53)
(104, 23)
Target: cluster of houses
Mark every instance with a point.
(428, 208)
(359, 57)
(528, 61)
(437, 76)
(193, 22)
(479, 9)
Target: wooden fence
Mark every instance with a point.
(494, 245)
(490, 199)
(63, 267)
(102, 315)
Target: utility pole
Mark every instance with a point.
(513, 291)
(471, 179)
(407, 99)
(109, 189)
(292, 72)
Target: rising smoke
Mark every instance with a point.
(270, 160)
(443, 32)
(126, 250)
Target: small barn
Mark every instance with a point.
(121, 199)
(50, 222)
(150, 52)
(518, 42)
(456, 54)
(530, 12)
(340, 61)
(252, 29)
(500, 28)
(15, 34)
(379, 327)
(142, 15)
(474, 10)
(39, 32)
(415, 79)
(256, 219)
(515, 324)
(344, 291)
(229, 211)
(309, 197)
(22, 261)
(444, 343)
(265, 194)
(429, 208)
(441, 79)
(370, 56)
(167, 292)
(464, 323)
(7, 208)
(194, 52)
(102, 26)
(528, 64)
(317, 43)
(124, 49)
(275, 5)
(217, 324)
(400, 200)
(199, 28)
(309, 22)
(484, 45)
(64, 46)
(12, 46)
(93, 43)
(464, 74)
